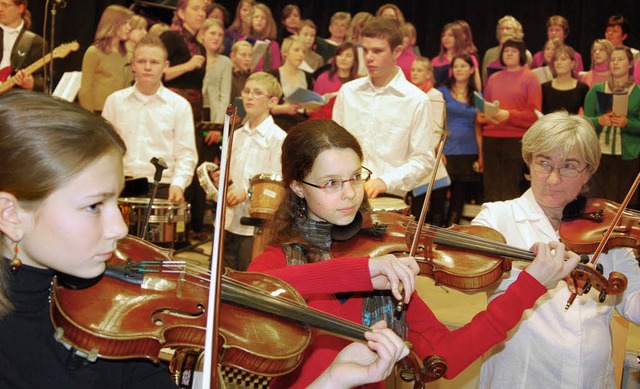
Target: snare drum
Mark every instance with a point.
(266, 191)
(167, 220)
(389, 204)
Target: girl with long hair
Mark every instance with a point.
(104, 65)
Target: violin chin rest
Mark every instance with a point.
(74, 283)
(342, 233)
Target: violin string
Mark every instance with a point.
(259, 299)
(462, 240)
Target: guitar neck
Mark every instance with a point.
(10, 83)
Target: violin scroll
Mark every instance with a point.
(411, 369)
(586, 277)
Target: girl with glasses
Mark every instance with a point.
(324, 180)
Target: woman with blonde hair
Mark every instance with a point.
(263, 27)
(290, 77)
(104, 63)
(601, 50)
(391, 10)
(216, 88)
(138, 31)
(353, 35)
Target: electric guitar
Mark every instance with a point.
(59, 52)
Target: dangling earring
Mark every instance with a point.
(16, 263)
(301, 208)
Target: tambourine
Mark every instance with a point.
(207, 185)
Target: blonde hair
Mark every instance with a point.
(270, 30)
(357, 24)
(288, 42)
(426, 62)
(562, 130)
(112, 19)
(270, 83)
(338, 16)
(518, 33)
(606, 46)
(396, 10)
(137, 22)
(239, 45)
(158, 28)
(211, 22)
(237, 25)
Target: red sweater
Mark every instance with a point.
(519, 93)
(318, 282)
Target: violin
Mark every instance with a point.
(146, 300)
(467, 258)
(585, 221)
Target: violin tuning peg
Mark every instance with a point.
(603, 295)
(584, 259)
(599, 268)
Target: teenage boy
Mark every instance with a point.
(256, 149)
(388, 115)
(154, 122)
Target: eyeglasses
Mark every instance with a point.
(334, 185)
(256, 93)
(567, 170)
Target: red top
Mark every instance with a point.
(519, 93)
(428, 335)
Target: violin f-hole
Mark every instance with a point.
(158, 319)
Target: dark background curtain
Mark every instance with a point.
(78, 20)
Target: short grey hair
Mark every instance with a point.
(562, 130)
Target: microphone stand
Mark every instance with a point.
(160, 165)
(54, 10)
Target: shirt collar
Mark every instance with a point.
(135, 93)
(262, 127)
(9, 30)
(398, 84)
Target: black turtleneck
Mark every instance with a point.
(30, 357)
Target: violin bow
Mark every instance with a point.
(609, 231)
(425, 206)
(211, 341)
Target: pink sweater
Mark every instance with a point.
(519, 93)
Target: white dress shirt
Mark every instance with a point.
(393, 124)
(553, 347)
(9, 37)
(160, 125)
(255, 151)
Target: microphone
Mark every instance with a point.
(160, 165)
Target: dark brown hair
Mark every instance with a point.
(300, 149)
(344, 46)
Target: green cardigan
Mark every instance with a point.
(630, 133)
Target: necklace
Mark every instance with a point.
(459, 95)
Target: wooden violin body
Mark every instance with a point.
(456, 267)
(264, 324)
(114, 319)
(585, 230)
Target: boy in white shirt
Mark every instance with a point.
(256, 150)
(154, 122)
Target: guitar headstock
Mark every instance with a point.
(64, 49)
